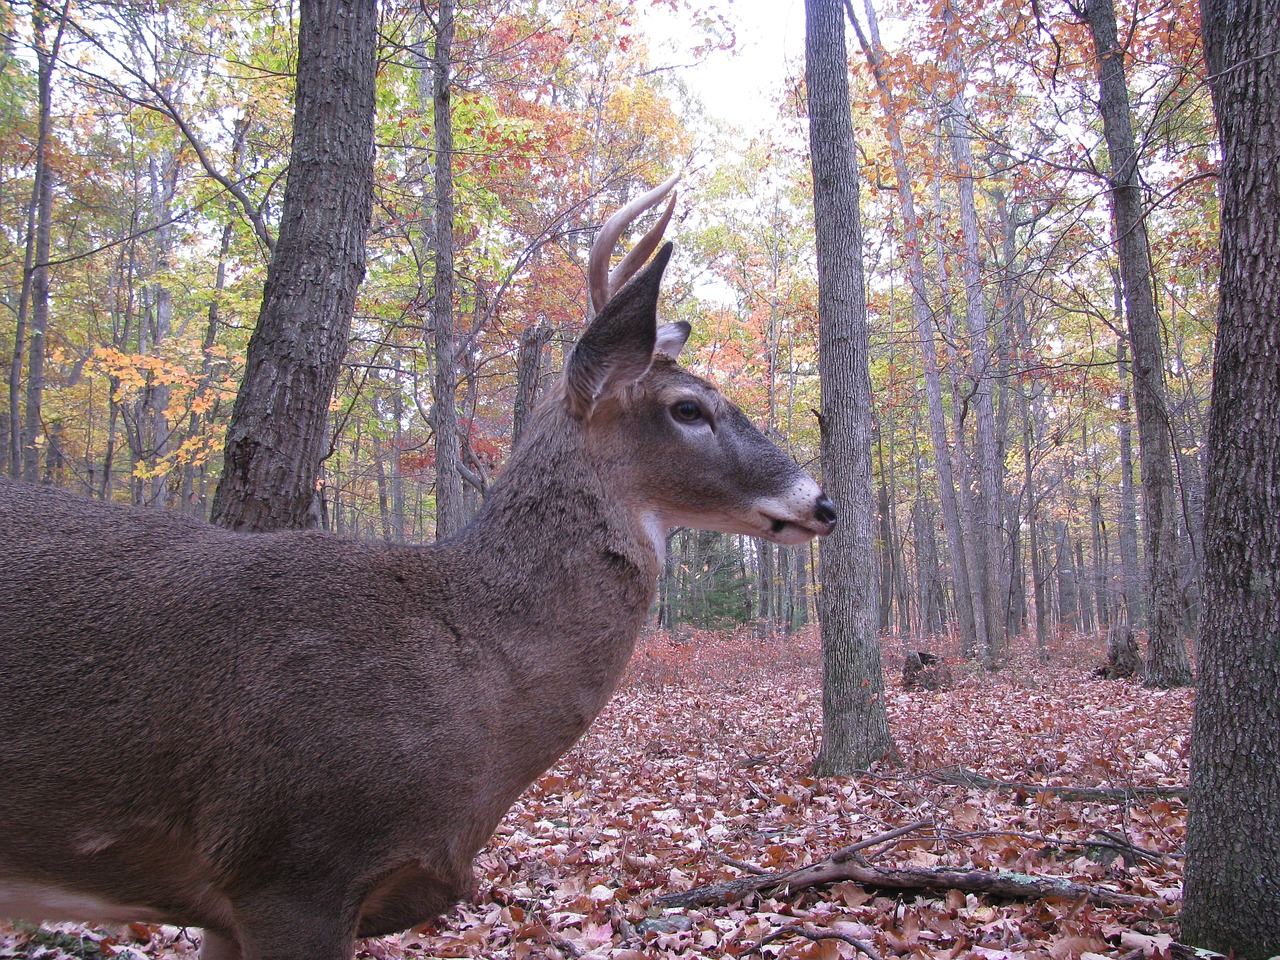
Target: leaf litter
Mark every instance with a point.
(697, 773)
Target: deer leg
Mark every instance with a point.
(216, 946)
(279, 929)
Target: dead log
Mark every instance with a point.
(1000, 883)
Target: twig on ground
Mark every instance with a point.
(1109, 841)
(962, 777)
(742, 865)
(846, 853)
(814, 934)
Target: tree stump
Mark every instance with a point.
(926, 671)
(1123, 659)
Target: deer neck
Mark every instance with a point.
(561, 554)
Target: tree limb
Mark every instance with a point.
(995, 882)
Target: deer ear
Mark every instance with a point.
(619, 344)
(671, 339)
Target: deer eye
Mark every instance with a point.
(686, 411)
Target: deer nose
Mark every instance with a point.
(824, 511)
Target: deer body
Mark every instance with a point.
(413, 727)
(296, 739)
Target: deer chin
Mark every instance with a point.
(790, 533)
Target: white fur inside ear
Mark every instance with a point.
(671, 339)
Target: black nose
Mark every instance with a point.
(824, 510)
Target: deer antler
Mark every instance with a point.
(601, 284)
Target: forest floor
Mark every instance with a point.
(697, 773)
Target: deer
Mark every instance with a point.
(294, 740)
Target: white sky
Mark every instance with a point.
(741, 87)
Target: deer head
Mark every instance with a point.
(687, 455)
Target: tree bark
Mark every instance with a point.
(276, 440)
(855, 729)
(1233, 829)
(451, 514)
(533, 344)
(1167, 664)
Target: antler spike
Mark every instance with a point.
(639, 255)
(601, 284)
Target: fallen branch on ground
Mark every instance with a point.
(815, 935)
(961, 777)
(995, 882)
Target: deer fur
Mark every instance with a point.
(295, 739)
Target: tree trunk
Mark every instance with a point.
(932, 615)
(451, 514)
(923, 316)
(1084, 580)
(33, 304)
(276, 439)
(191, 494)
(153, 419)
(1101, 562)
(989, 498)
(959, 414)
(1131, 570)
(855, 729)
(33, 416)
(1233, 829)
(1012, 322)
(533, 342)
(1068, 593)
(1038, 575)
(884, 551)
(1167, 664)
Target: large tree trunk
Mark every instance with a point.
(1167, 664)
(1233, 830)
(276, 440)
(855, 730)
(451, 512)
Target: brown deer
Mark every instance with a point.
(293, 740)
